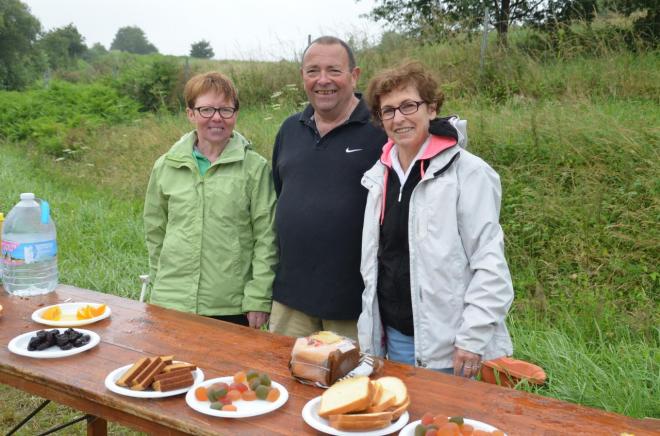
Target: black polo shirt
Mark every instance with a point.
(320, 211)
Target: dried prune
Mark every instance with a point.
(65, 340)
(82, 340)
(42, 346)
(34, 343)
(61, 340)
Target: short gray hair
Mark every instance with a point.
(330, 40)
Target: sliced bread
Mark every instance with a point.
(360, 421)
(397, 411)
(396, 386)
(386, 399)
(349, 395)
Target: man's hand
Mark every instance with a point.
(257, 319)
(466, 364)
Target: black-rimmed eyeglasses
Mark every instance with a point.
(406, 108)
(209, 111)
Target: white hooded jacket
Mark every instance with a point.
(460, 282)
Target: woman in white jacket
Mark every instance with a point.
(437, 284)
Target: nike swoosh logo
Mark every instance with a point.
(353, 150)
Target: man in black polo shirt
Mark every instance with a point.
(319, 158)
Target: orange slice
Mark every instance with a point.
(52, 313)
(98, 310)
(84, 312)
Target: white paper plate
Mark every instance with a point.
(244, 408)
(111, 379)
(69, 315)
(19, 345)
(311, 417)
(409, 430)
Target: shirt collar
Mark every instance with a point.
(396, 165)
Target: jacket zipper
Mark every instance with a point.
(420, 360)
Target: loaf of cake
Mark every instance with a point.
(323, 357)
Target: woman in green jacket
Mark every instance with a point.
(208, 214)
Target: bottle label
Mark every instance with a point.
(14, 253)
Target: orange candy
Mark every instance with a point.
(234, 395)
(229, 408)
(201, 394)
(239, 377)
(449, 429)
(249, 395)
(466, 429)
(273, 395)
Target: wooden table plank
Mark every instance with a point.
(137, 329)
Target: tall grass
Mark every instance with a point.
(99, 234)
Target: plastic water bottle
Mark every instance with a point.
(29, 249)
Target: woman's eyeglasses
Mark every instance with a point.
(209, 111)
(406, 108)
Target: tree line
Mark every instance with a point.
(27, 52)
(434, 20)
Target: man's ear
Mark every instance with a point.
(355, 74)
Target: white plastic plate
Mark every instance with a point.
(409, 430)
(311, 417)
(111, 379)
(69, 315)
(19, 345)
(244, 408)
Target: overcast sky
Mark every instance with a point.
(236, 29)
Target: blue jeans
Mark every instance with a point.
(401, 348)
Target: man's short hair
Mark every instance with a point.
(212, 81)
(330, 40)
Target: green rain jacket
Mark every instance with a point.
(210, 239)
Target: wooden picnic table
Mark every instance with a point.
(137, 329)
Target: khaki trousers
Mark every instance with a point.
(290, 322)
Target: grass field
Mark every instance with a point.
(575, 141)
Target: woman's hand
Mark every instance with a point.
(466, 361)
(257, 319)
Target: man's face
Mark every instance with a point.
(329, 82)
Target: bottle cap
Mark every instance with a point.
(27, 196)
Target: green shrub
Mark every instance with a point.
(58, 118)
(155, 82)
